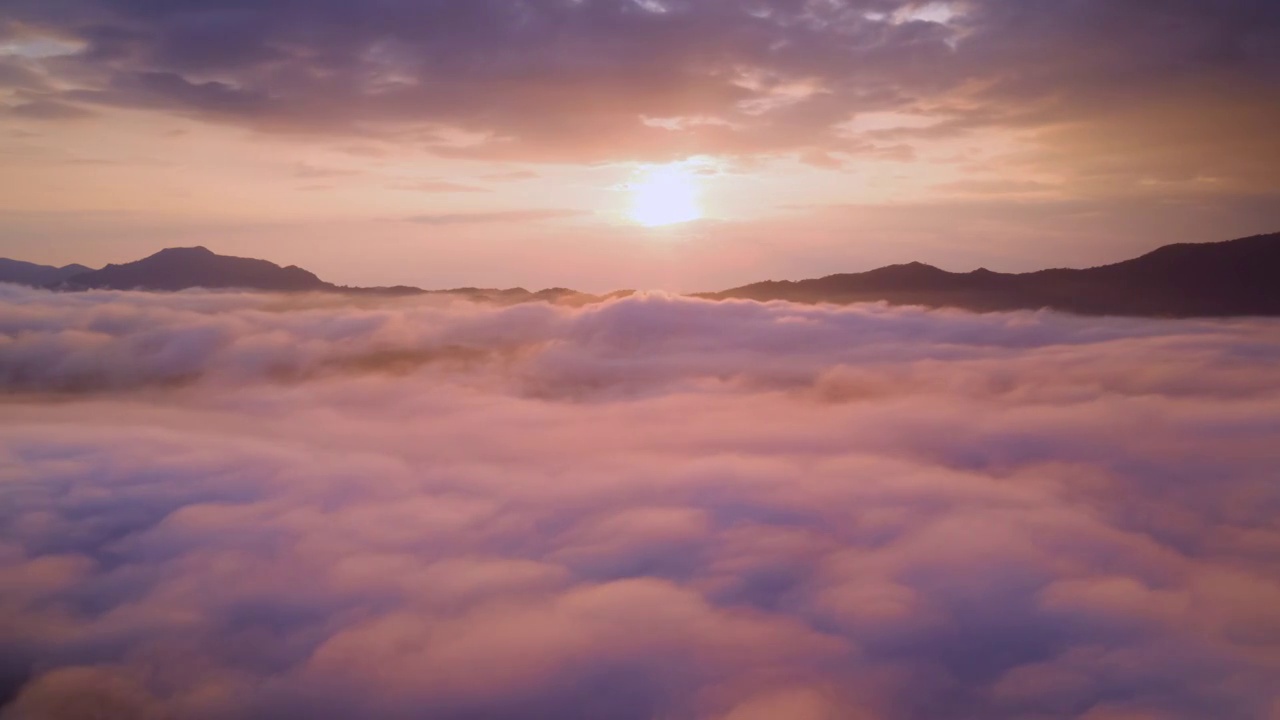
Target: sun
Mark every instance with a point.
(665, 195)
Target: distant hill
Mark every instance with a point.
(25, 273)
(198, 267)
(1237, 277)
(183, 268)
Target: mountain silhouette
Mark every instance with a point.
(25, 273)
(1236, 277)
(198, 267)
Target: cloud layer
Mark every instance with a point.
(573, 80)
(219, 505)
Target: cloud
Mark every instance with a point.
(434, 185)
(513, 176)
(49, 110)
(227, 505)
(996, 187)
(558, 81)
(498, 216)
(308, 171)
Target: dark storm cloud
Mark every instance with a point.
(223, 506)
(576, 79)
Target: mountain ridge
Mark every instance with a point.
(191, 267)
(26, 273)
(1233, 277)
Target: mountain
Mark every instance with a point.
(183, 268)
(1236, 277)
(25, 273)
(199, 267)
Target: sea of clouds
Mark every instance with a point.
(224, 505)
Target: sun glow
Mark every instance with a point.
(665, 195)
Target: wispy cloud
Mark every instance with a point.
(435, 185)
(513, 176)
(49, 110)
(499, 216)
(308, 171)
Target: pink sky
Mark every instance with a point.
(500, 144)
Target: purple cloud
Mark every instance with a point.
(561, 81)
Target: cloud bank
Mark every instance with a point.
(223, 505)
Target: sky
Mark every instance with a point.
(606, 144)
(230, 506)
